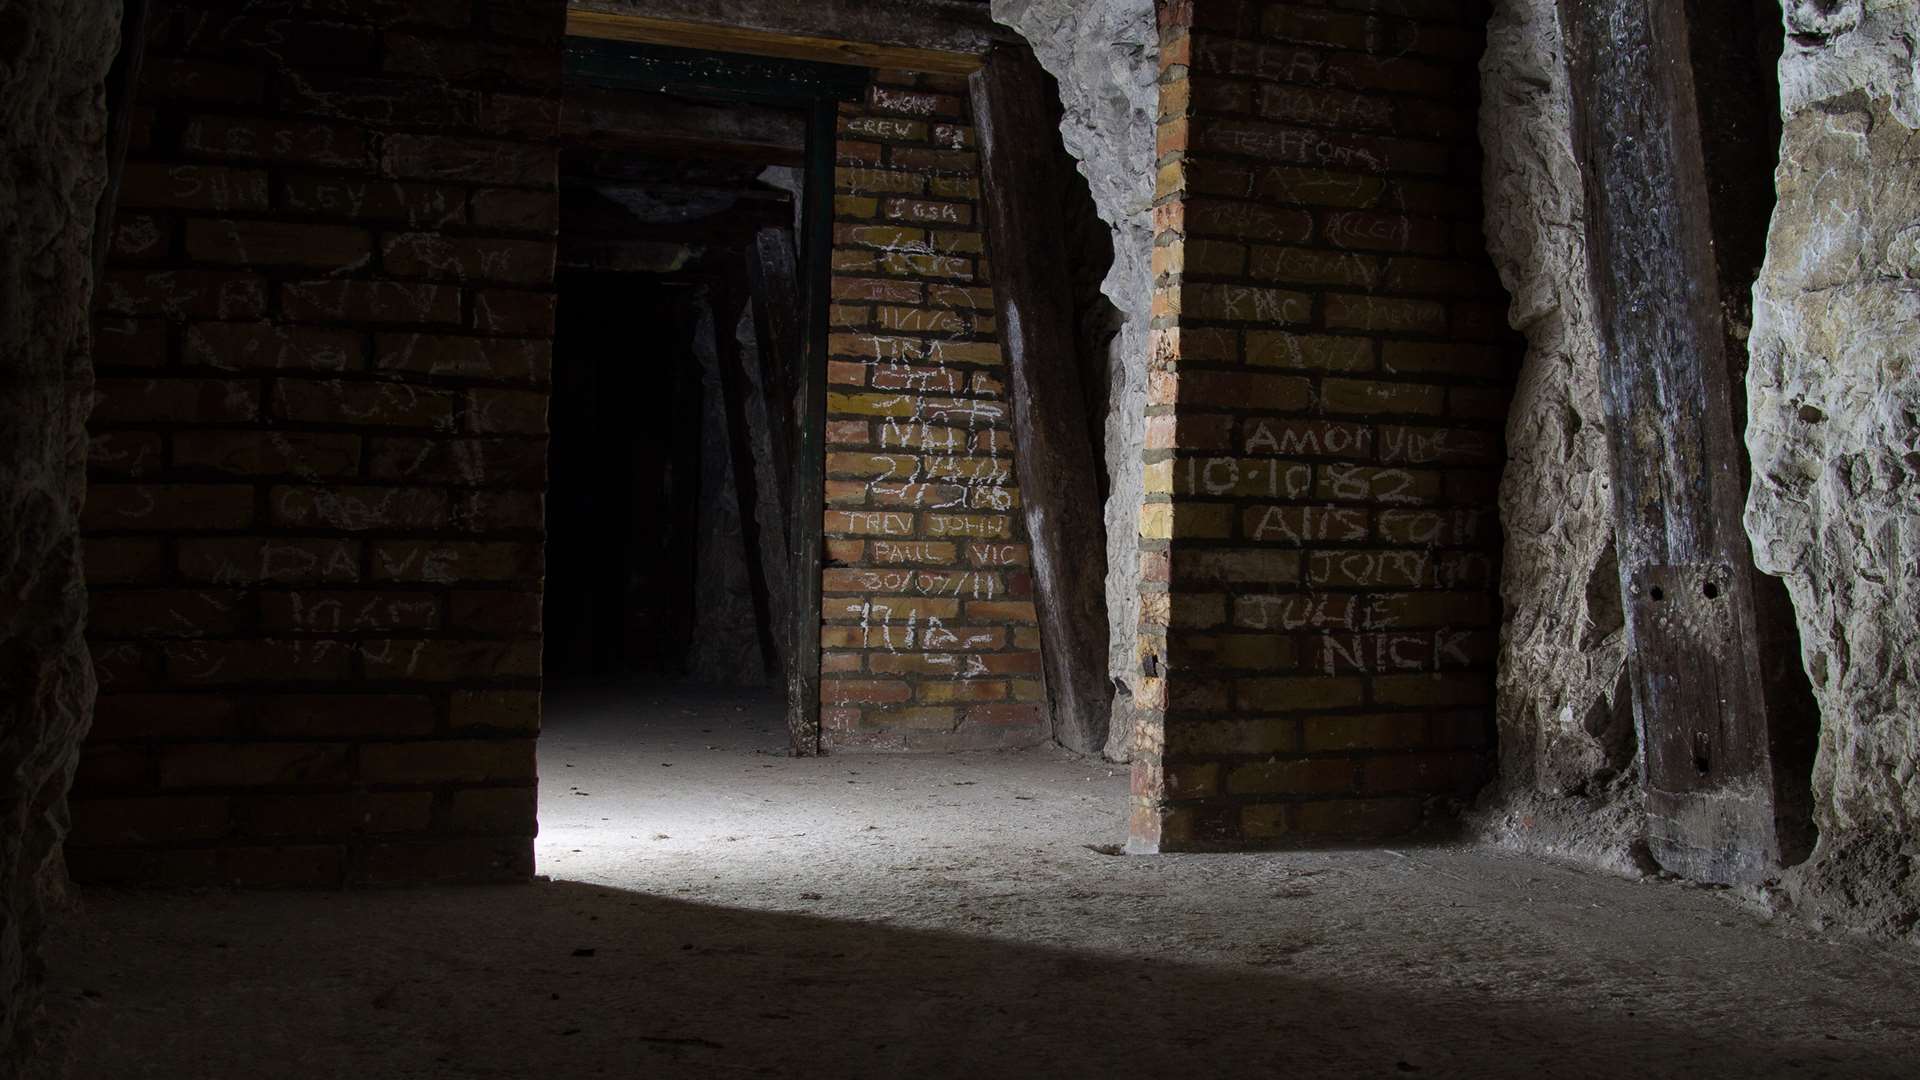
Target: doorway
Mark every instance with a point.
(622, 501)
(695, 222)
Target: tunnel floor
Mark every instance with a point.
(714, 908)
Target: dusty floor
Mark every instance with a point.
(718, 909)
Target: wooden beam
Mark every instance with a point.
(778, 327)
(709, 34)
(777, 318)
(950, 26)
(762, 524)
(809, 495)
(778, 321)
(670, 127)
(667, 229)
(1059, 486)
(1677, 209)
(123, 81)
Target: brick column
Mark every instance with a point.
(314, 507)
(1330, 374)
(931, 641)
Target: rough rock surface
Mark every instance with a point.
(1568, 768)
(53, 56)
(1105, 54)
(1834, 433)
(1839, 46)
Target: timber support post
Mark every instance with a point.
(1678, 211)
(123, 82)
(770, 409)
(777, 312)
(762, 519)
(1020, 185)
(808, 509)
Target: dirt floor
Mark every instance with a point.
(719, 909)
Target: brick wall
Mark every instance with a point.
(314, 514)
(930, 640)
(1330, 374)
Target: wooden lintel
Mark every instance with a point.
(721, 37)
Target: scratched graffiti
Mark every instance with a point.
(953, 467)
(929, 636)
(936, 492)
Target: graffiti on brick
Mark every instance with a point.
(939, 490)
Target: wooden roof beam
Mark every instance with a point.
(946, 36)
(629, 120)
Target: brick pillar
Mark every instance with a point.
(1330, 375)
(931, 640)
(314, 508)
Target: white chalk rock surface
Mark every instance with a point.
(1569, 783)
(1834, 432)
(1105, 55)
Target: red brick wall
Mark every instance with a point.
(314, 516)
(1330, 374)
(930, 640)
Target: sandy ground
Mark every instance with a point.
(719, 909)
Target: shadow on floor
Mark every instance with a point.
(571, 980)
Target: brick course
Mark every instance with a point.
(930, 640)
(1328, 379)
(314, 519)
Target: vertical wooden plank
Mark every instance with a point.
(778, 324)
(770, 414)
(1059, 494)
(1722, 705)
(123, 81)
(809, 469)
(762, 523)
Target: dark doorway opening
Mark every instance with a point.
(685, 481)
(657, 566)
(622, 499)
